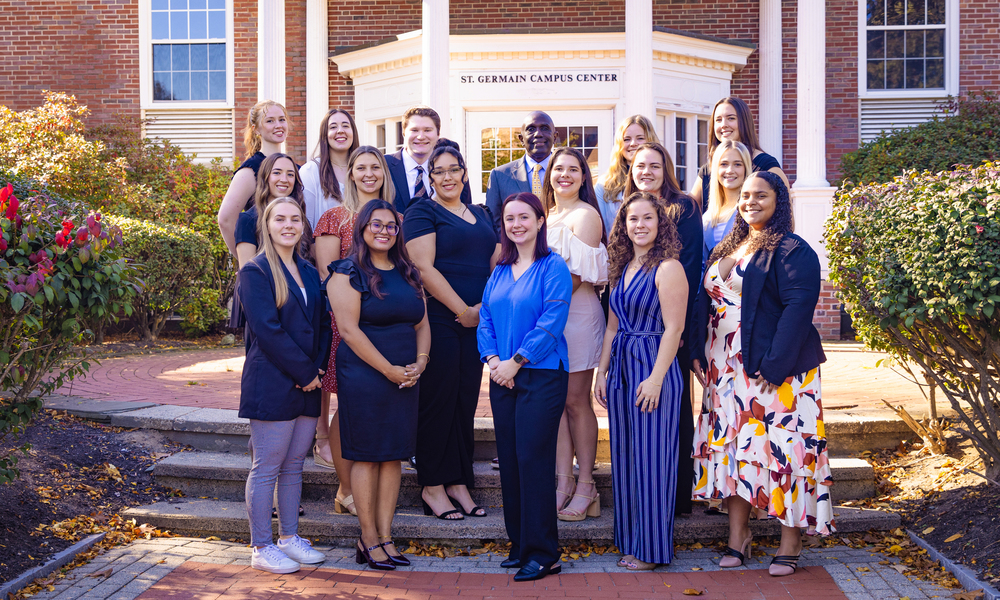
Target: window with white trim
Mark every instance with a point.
(905, 44)
(686, 139)
(188, 49)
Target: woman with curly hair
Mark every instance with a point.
(761, 443)
(632, 132)
(639, 378)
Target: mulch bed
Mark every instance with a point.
(74, 469)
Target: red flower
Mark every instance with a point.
(3, 245)
(4, 193)
(12, 207)
(979, 229)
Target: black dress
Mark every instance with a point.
(378, 419)
(450, 386)
(252, 163)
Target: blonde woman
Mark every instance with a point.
(263, 135)
(280, 294)
(731, 163)
(367, 179)
(632, 132)
(323, 177)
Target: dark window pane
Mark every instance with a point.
(216, 57)
(915, 44)
(217, 3)
(180, 60)
(915, 12)
(181, 86)
(935, 73)
(159, 5)
(894, 44)
(178, 4)
(915, 73)
(217, 24)
(575, 139)
(876, 74)
(199, 85)
(895, 12)
(935, 12)
(876, 12)
(561, 135)
(702, 131)
(161, 57)
(160, 26)
(681, 173)
(935, 42)
(682, 153)
(876, 44)
(199, 24)
(217, 86)
(161, 86)
(196, 4)
(894, 73)
(199, 57)
(590, 137)
(680, 129)
(178, 26)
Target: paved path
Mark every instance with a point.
(211, 379)
(204, 570)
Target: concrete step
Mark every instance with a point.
(221, 430)
(222, 476)
(227, 519)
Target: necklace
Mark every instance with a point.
(460, 212)
(633, 264)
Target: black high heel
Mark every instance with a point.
(428, 511)
(361, 556)
(397, 559)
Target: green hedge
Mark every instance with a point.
(175, 265)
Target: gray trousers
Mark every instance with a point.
(278, 449)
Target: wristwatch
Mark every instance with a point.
(520, 359)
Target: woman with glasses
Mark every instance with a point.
(378, 302)
(455, 248)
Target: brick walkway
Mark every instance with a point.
(204, 570)
(211, 378)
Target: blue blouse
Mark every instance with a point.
(608, 209)
(527, 316)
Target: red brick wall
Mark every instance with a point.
(295, 79)
(89, 48)
(842, 103)
(245, 61)
(826, 317)
(980, 46)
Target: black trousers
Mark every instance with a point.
(685, 462)
(449, 394)
(526, 422)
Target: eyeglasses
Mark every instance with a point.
(378, 226)
(454, 172)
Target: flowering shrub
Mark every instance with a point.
(172, 262)
(917, 261)
(59, 269)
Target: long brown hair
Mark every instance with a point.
(617, 176)
(280, 281)
(262, 199)
(327, 176)
(744, 125)
(620, 250)
(251, 137)
(397, 254)
(587, 193)
(676, 201)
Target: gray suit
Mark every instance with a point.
(511, 178)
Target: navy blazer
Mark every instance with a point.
(398, 172)
(780, 292)
(511, 178)
(289, 344)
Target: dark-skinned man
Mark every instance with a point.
(527, 173)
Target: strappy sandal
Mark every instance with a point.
(783, 564)
(344, 504)
(740, 555)
(318, 458)
(593, 509)
(569, 497)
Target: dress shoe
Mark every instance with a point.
(511, 563)
(533, 571)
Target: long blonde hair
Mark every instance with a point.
(280, 282)
(251, 137)
(615, 179)
(352, 201)
(716, 192)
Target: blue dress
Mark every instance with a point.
(644, 446)
(378, 419)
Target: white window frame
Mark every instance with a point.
(951, 58)
(665, 126)
(146, 65)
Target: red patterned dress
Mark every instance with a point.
(337, 222)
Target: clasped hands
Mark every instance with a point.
(407, 376)
(502, 372)
(315, 383)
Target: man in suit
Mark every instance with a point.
(408, 167)
(527, 173)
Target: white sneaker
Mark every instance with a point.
(271, 559)
(300, 549)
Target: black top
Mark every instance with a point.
(251, 163)
(462, 250)
(246, 227)
(761, 162)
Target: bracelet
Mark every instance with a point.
(425, 354)
(459, 315)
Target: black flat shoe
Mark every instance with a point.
(428, 511)
(362, 556)
(533, 571)
(511, 563)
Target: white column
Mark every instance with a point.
(271, 50)
(317, 71)
(810, 126)
(435, 57)
(639, 58)
(770, 107)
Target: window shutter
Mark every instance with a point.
(206, 133)
(881, 114)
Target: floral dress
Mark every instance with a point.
(770, 449)
(339, 222)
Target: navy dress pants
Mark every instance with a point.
(526, 423)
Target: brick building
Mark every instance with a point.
(819, 76)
